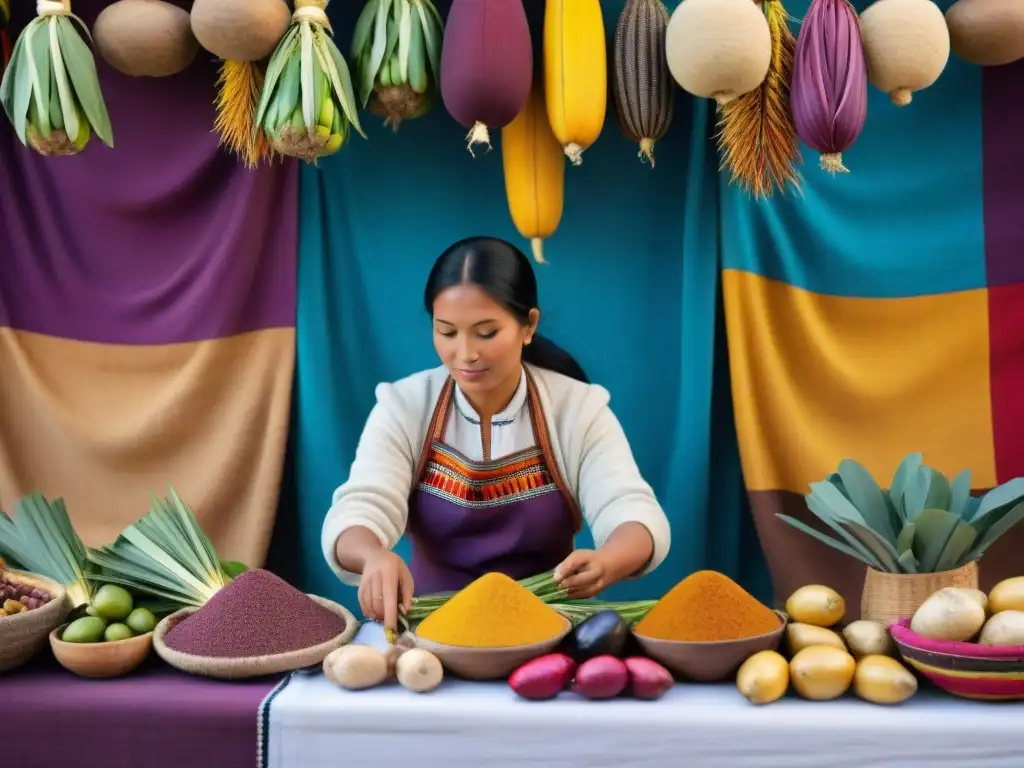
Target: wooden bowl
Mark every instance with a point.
(967, 670)
(101, 660)
(252, 666)
(24, 634)
(712, 661)
(489, 663)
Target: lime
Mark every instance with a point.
(141, 621)
(112, 602)
(117, 632)
(87, 629)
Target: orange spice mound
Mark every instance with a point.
(707, 606)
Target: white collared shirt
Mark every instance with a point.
(511, 428)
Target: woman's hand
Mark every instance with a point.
(582, 574)
(385, 587)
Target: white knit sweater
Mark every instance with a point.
(586, 439)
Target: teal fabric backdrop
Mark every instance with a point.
(631, 289)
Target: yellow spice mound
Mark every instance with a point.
(492, 612)
(707, 606)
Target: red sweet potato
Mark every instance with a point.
(602, 677)
(647, 679)
(544, 677)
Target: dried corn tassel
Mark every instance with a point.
(239, 84)
(757, 137)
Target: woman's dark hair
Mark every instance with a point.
(505, 274)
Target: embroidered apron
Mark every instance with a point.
(514, 515)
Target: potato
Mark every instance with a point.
(1007, 595)
(868, 638)
(1004, 628)
(950, 615)
(800, 636)
(419, 670)
(356, 667)
(816, 604)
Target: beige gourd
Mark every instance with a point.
(718, 49)
(145, 38)
(906, 46)
(240, 30)
(989, 33)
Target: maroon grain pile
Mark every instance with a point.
(257, 614)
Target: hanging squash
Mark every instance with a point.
(829, 92)
(718, 49)
(241, 33)
(641, 83)
(575, 73)
(145, 38)
(486, 65)
(534, 167)
(988, 33)
(906, 45)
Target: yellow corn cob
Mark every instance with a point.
(576, 73)
(534, 172)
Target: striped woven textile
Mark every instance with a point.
(147, 318)
(882, 312)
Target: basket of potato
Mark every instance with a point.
(31, 607)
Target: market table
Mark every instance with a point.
(156, 717)
(314, 724)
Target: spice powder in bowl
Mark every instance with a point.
(493, 612)
(707, 606)
(257, 614)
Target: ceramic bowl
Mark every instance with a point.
(711, 661)
(101, 660)
(24, 634)
(967, 670)
(489, 663)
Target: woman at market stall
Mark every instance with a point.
(492, 461)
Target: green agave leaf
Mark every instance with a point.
(916, 493)
(884, 552)
(960, 493)
(837, 545)
(934, 527)
(821, 510)
(840, 506)
(939, 492)
(865, 494)
(960, 542)
(1001, 526)
(906, 470)
(837, 481)
(906, 538)
(971, 509)
(998, 499)
(908, 563)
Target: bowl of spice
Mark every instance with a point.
(490, 628)
(256, 625)
(706, 626)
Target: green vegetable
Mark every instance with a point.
(40, 538)
(141, 621)
(112, 602)
(922, 524)
(116, 632)
(88, 629)
(165, 554)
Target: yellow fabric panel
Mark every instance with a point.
(816, 379)
(105, 426)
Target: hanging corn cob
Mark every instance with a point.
(642, 85)
(486, 65)
(50, 90)
(575, 73)
(396, 54)
(5, 40)
(241, 33)
(757, 137)
(308, 104)
(534, 169)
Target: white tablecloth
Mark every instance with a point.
(314, 724)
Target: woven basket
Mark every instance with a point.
(24, 634)
(252, 666)
(889, 597)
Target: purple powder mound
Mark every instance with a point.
(257, 614)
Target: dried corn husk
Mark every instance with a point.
(757, 137)
(641, 82)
